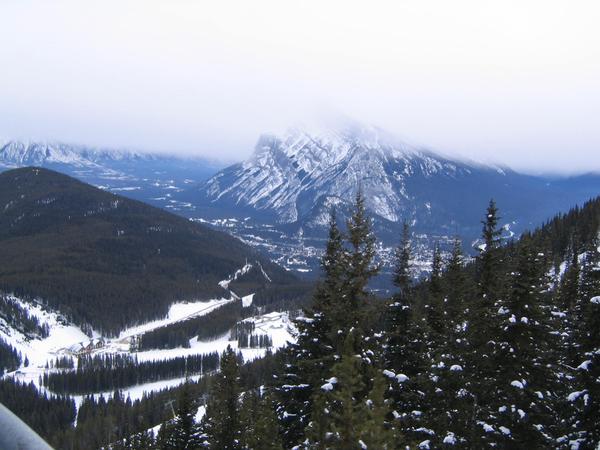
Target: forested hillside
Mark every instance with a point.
(502, 352)
(107, 261)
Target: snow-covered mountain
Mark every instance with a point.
(280, 197)
(15, 154)
(149, 177)
(296, 177)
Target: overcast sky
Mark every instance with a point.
(516, 82)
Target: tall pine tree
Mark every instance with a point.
(360, 267)
(482, 327)
(405, 357)
(182, 433)
(221, 424)
(525, 394)
(308, 360)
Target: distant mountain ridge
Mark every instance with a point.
(280, 197)
(19, 154)
(295, 177)
(150, 177)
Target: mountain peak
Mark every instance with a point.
(296, 174)
(307, 146)
(20, 153)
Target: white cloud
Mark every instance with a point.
(510, 81)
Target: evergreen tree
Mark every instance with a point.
(435, 309)
(333, 265)
(342, 396)
(481, 321)
(589, 336)
(450, 412)
(142, 441)
(221, 424)
(308, 360)
(571, 304)
(436, 270)
(483, 326)
(339, 306)
(456, 288)
(351, 411)
(489, 260)
(587, 398)
(402, 276)
(182, 433)
(360, 266)
(259, 423)
(377, 431)
(586, 393)
(318, 431)
(570, 287)
(164, 435)
(406, 352)
(525, 394)
(405, 337)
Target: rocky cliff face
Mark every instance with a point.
(298, 176)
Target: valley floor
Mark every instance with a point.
(66, 339)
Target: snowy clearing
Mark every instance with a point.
(177, 312)
(67, 339)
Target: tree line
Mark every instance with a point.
(103, 373)
(124, 423)
(44, 413)
(209, 326)
(243, 333)
(10, 358)
(20, 319)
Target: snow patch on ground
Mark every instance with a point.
(137, 392)
(64, 336)
(38, 351)
(238, 273)
(177, 312)
(247, 301)
(276, 324)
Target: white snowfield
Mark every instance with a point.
(177, 312)
(66, 338)
(277, 325)
(247, 301)
(38, 351)
(240, 272)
